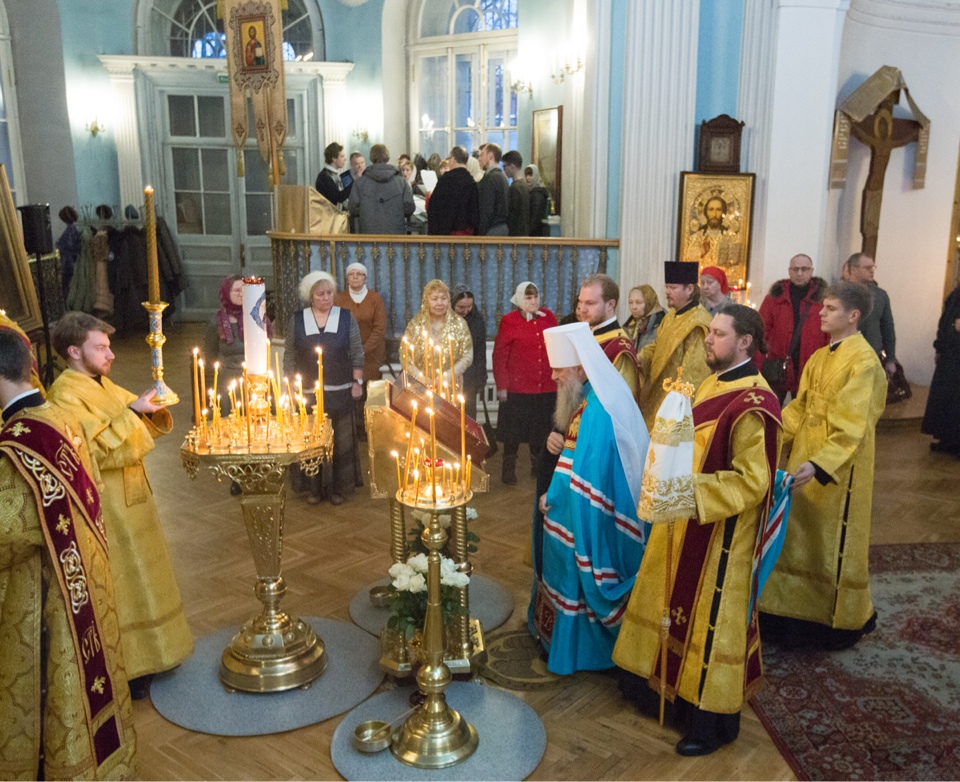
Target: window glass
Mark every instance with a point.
(182, 115)
(211, 114)
(186, 168)
(216, 174)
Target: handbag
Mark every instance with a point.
(898, 389)
(774, 370)
(488, 429)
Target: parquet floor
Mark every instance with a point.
(330, 553)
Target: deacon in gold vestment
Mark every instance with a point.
(679, 342)
(819, 591)
(65, 707)
(121, 428)
(713, 651)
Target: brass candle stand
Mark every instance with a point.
(434, 736)
(275, 650)
(155, 339)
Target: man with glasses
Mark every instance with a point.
(791, 323)
(877, 327)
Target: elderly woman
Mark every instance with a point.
(323, 325)
(475, 378)
(370, 313)
(645, 315)
(437, 321)
(524, 379)
(223, 340)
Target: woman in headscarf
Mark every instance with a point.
(645, 315)
(437, 321)
(524, 379)
(475, 377)
(370, 312)
(539, 201)
(322, 324)
(223, 341)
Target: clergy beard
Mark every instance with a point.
(569, 397)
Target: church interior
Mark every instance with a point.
(99, 100)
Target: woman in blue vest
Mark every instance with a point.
(320, 324)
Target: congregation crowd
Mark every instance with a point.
(799, 384)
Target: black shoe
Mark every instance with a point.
(690, 748)
(336, 499)
(140, 687)
(509, 473)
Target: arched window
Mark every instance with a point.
(461, 74)
(190, 28)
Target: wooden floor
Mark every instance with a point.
(330, 553)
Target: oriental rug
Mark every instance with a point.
(890, 707)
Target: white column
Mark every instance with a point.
(596, 119)
(758, 58)
(124, 128)
(336, 111)
(804, 99)
(658, 129)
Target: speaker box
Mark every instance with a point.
(37, 236)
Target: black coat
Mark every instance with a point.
(942, 418)
(454, 204)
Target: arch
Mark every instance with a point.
(189, 28)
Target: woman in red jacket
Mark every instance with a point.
(524, 380)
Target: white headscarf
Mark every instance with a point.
(518, 298)
(574, 345)
(360, 295)
(535, 173)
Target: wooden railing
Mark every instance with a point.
(399, 266)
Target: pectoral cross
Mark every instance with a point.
(883, 133)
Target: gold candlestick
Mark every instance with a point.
(196, 389)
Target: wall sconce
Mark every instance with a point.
(566, 69)
(522, 86)
(94, 127)
(361, 134)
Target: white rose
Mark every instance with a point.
(471, 514)
(418, 563)
(397, 568)
(402, 582)
(418, 583)
(455, 579)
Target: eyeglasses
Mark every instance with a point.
(801, 268)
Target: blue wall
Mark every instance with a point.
(718, 58)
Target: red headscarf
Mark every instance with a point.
(718, 275)
(228, 308)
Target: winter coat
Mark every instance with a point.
(382, 199)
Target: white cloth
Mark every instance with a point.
(667, 489)
(518, 298)
(359, 295)
(575, 343)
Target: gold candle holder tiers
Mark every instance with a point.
(155, 339)
(434, 736)
(275, 650)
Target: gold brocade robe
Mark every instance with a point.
(679, 343)
(152, 622)
(454, 330)
(622, 357)
(46, 713)
(740, 491)
(821, 575)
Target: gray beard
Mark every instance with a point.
(569, 397)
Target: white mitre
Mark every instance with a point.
(574, 345)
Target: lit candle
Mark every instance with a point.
(317, 415)
(150, 228)
(416, 481)
(396, 457)
(203, 380)
(413, 424)
(196, 389)
(216, 376)
(456, 471)
(293, 413)
(463, 428)
(468, 472)
(245, 387)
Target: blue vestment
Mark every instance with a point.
(592, 546)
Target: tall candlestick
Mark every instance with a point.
(203, 380)
(150, 227)
(433, 451)
(317, 417)
(196, 389)
(413, 424)
(453, 382)
(463, 428)
(216, 376)
(245, 387)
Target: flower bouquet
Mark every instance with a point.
(408, 602)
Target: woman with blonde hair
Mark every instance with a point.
(321, 324)
(437, 321)
(645, 315)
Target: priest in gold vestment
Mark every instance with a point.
(120, 428)
(713, 650)
(679, 341)
(819, 591)
(65, 710)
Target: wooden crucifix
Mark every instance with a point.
(867, 114)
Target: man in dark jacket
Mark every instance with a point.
(329, 184)
(518, 197)
(794, 304)
(382, 198)
(876, 327)
(454, 205)
(493, 191)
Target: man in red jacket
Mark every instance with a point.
(793, 305)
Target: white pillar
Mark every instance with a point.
(596, 109)
(336, 112)
(804, 99)
(757, 61)
(658, 129)
(125, 130)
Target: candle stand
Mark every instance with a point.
(275, 650)
(434, 736)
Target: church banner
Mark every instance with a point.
(254, 43)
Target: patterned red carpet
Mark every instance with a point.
(890, 707)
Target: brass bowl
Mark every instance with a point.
(364, 733)
(379, 595)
